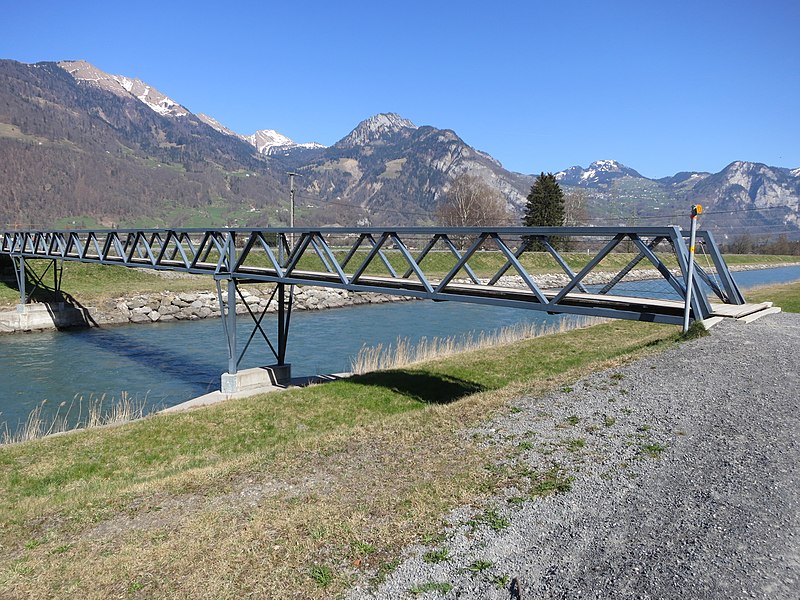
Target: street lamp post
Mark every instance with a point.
(291, 205)
(696, 210)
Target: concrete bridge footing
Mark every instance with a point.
(247, 379)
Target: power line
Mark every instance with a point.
(677, 216)
(322, 203)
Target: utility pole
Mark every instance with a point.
(291, 204)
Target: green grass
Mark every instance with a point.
(322, 575)
(787, 296)
(479, 566)
(757, 259)
(491, 519)
(653, 449)
(440, 587)
(554, 481)
(500, 581)
(436, 556)
(77, 222)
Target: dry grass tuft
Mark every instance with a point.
(403, 353)
(81, 413)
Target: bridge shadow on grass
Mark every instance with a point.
(422, 387)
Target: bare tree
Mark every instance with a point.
(470, 202)
(742, 244)
(575, 208)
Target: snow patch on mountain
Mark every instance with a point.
(118, 84)
(600, 172)
(265, 139)
(269, 141)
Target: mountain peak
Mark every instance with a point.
(600, 172)
(744, 170)
(264, 139)
(269, 141)
(84, 71)
(742, 165)
(374, 129)
(607, 165)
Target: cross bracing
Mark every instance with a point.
(400, 261)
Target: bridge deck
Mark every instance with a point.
(738, 311)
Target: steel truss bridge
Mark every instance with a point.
(408, 262)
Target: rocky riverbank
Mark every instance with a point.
(171, 306)
(167, 306)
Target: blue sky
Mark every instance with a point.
(661, 86)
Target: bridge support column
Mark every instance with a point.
(19, 272)
(279, 374)
(25, 274)
(284, 314)
(230, 327)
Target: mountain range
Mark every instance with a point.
(81, 147)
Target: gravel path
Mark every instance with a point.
(685, 483)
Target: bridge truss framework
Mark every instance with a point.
(399, 261)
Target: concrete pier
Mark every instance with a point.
(259, 377)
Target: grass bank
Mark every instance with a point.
(787, 296)
(294, 494)
(90, 283)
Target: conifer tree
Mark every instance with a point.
(545, 207)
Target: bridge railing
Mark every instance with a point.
(510, 266)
